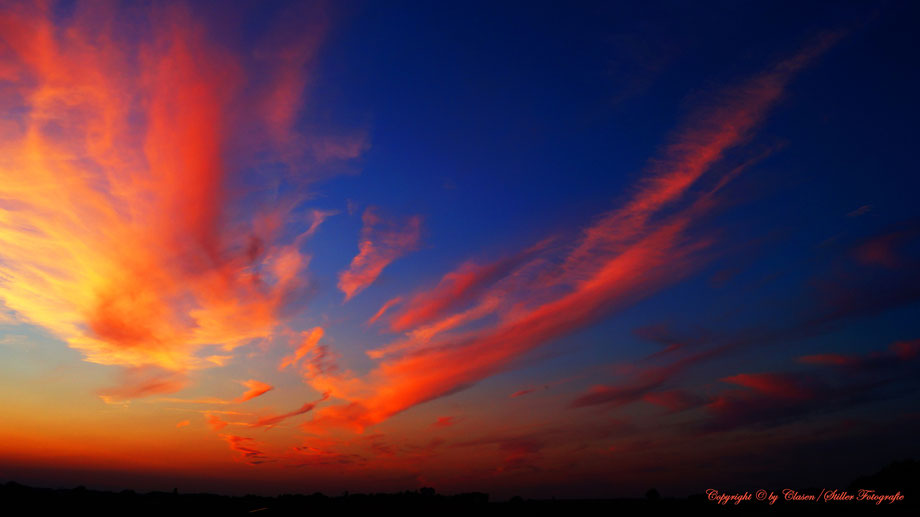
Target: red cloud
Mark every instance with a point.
(381, 243)
(906, 350)
(673, 400)
(256, 388)
(772, 384)
(310, 339)
(247, 448)
(883, 250)
(273, 420)
(383, 308)
(444, 421)
(144, 382)
(146, 254)
(521, 393)
(215, 421)
(834, 359)
(455, 289)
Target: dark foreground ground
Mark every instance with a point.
(900, 477)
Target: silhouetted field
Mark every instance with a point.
(900, 477)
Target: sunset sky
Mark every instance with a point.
(526, 248)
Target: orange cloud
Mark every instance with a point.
(143, 382)
(183, 423)
(256, 388)
(215, 421)
(310, 340)
(273, 420)
(247, 448)
(126, 238)
(381, 243)
(455, 289)
(383, 308)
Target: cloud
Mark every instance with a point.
(384, 308)
(444, 421)
(310, 340)
(247, 447)
(643, 384)
(143, 382)
(323, 454)
(524, 449)
(863, 210)
(455, 289)
(127, 239)
(342, 148)
(618, 260)
(256, 388)
(823, 306)
(834, 382)
(273, 420)
(123, 240)
(521, 393)
(884, 250)
(215, 421)
(774, 385)
(183, 423)
(202, 400)
(317, 217)
(832, 359)
(675, 400)
(698, 146)
(381, 243)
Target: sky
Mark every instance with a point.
(524, 248)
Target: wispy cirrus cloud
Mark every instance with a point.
(273, 420)
(620, 259)
(381, 243)
(310, 340)
(256, 388)
(143, 382)
(215, 422)
(250, 451)
(521, 393)
(383, 309)
(125, 225)
(444, 421)
(456, 289)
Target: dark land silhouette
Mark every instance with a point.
(15, 499)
